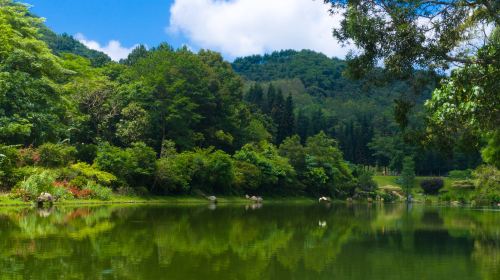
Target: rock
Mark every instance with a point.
(324, 199)
(45, 198)
(256, 199)
(212, 199)
(455, 203)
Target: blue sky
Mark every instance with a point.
(234, 28)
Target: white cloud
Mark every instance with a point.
(244, 27)
(113, 49)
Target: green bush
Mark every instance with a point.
(56, 155)
(8, 159)
(133, 166)
(204, 169)
(276, 173)
(365, 180)
(98, 191)
(432, 185)
(487, 184)
(460, 174)
(86, 171)
(39, 182)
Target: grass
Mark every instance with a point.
(120, 199)
(392, 180)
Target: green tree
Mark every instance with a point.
(32, 110)
(408, 175)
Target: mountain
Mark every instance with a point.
(64, 43)
(372, 118)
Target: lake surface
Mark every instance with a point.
(275, 241)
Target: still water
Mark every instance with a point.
(275, 241)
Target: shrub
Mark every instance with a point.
(56, 155)
(98, 191)
(460, 174)
(432, 185)
(488, 184)
(86, 171)
(132, 166)
(365, 180)
(28, 156)
(205, 169)
(8, 158)
(36, 184)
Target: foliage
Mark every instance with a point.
(39, 182)
(65, 43)
(56, 155)
(92, 173)
(409, 34)
(133, 166)
(8, 158)
(97, 191)
(202, 169)
(31, 108)
(276, 172)
(432, 185)
(408, 174)
(487, 184)
(365, 181)
(460, 174)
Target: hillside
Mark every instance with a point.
(360, 114)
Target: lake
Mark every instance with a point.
(272, 241)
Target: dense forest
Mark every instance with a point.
(361, 114)
(171, 121)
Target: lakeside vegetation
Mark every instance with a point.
(169, 122)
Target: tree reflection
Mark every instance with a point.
(273, 241)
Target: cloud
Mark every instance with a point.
(113, 49)
(244, 27)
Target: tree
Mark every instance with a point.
(408, 175)
(408, 34)
(432, 35)
(32, 110)
(256, 95)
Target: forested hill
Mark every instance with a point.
(360, 114)
(64, 43)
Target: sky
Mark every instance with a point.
(232, 27)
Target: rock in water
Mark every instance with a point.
(324, 199)
(44, 198)
(212, 198)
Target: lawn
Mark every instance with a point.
(392, 180)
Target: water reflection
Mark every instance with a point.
(250, 242)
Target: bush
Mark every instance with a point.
(432, 185)
(37, 183)
(204, 169)
(28, 156)
(8, 158)
(460, 174)
(56, 155)
(365, 180)
(97, 191)
(132, 166)
(488, 184)
(86, 171)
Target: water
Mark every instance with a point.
(242, 242)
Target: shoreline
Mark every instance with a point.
(174, 200)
